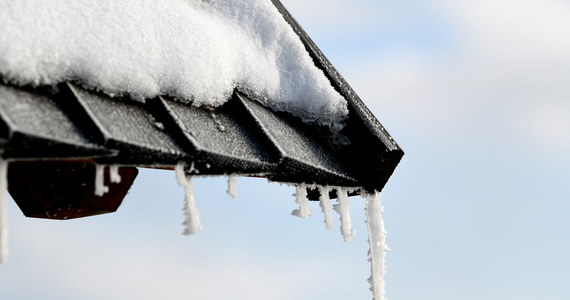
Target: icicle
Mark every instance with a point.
(114, 172)
(343, 209)
(180, 175)
(301, 198)
(232, 190)
(377, 242)
(100, 187)
(192, 221)
(3, 211)
(326, 206)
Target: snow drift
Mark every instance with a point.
(196, 51)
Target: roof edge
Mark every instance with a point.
(339, 83)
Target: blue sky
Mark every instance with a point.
(477, 94)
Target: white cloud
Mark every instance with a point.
(329, 17)
(548, 125)
(506, 72)
(60, 265)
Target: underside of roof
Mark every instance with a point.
(243, 137)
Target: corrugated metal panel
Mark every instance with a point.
(126, 126)
(305, 156)
(241, 137)
(224, 140)
(34, 127)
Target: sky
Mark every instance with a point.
(477, 95)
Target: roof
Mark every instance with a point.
(240, 137)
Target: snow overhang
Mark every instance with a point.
(242, 137)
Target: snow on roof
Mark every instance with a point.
(195, 51)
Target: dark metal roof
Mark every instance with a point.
(241, 137)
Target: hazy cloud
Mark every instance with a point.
(505, 74)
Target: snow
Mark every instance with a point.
(232, 189)
(3, 211)
(301, 198)
(192, 221)
(324, 202)
(195, 51)
(114, 173)
(342, 207)
(377, 240)
(100, 187)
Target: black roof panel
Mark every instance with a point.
(240, 137)
(35, 127)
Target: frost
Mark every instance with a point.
(196, 51)
(301, 198)
(194, 170)
(100, 187)
(342, 207)
(114, 173)
(216, 120)
(232, 189)
(192, 216)
(325, 204)
(377, 240)
(3, 211)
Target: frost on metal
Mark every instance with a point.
(4, 251)
(377, 240)
(192, 221)
(195, 51)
